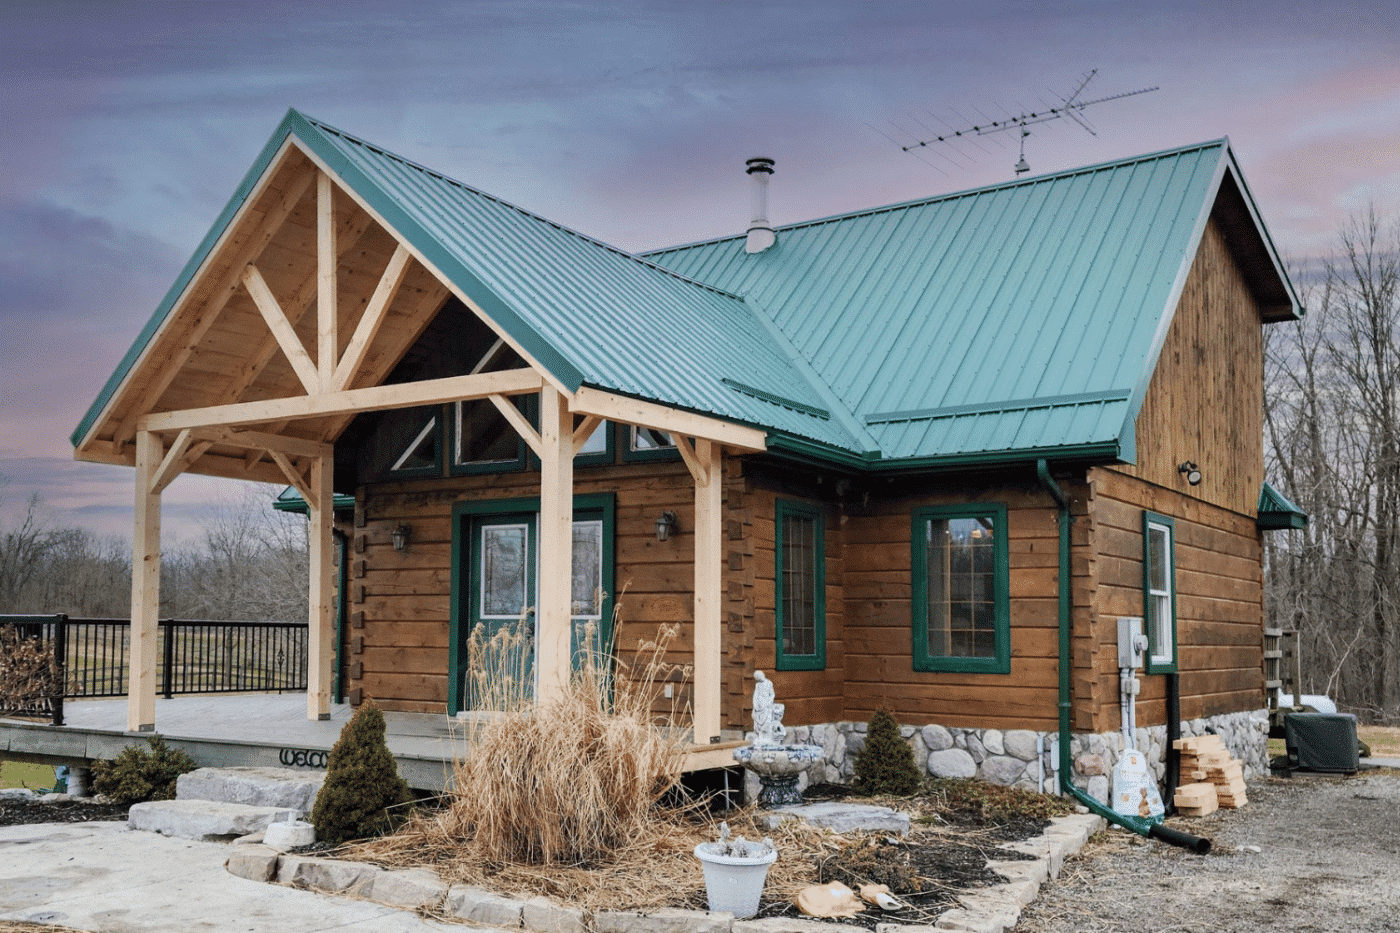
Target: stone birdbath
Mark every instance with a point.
(778, 766)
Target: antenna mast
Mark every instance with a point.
(1071, 107)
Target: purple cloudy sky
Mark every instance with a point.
(128, 125)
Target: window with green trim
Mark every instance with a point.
(648, 444)
(961, 598)
(799, 587)
(483, 440)
(1159, 591)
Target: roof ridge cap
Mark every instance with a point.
(1222, 142)
(562, 228)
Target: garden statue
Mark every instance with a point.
(778, 766)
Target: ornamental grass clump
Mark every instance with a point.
(363, 794)
(886, 766)
(576, 778)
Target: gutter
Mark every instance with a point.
(1135, 824)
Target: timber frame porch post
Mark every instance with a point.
(145, 587)
(554, 591)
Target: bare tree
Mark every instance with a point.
(1333, 444)
(25, 545)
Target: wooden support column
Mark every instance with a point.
(145, 588)
(709, 486)
(327, 314)
(554, 589)
(320, 643)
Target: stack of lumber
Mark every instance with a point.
(1205, 759)
(1196, 799)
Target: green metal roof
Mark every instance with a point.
(289, 500)
(1276, 511)
(1017, 320)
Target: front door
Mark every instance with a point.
(494, 624)
(499, 655)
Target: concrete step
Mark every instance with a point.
(205, 820)
(257, 787)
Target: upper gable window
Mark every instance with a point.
(649, 444)
(961, 598)
(484, 441)
(598, 449)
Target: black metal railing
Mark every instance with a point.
(92, 657)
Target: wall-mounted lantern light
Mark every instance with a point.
(666, 524)
(1193, 472)
(400, 538)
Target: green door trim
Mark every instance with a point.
(602, 505)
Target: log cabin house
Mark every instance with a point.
(921, 456)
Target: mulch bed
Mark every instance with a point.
(25, 811)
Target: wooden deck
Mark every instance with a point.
(260, 730)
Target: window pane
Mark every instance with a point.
(587, 589)
(597, 442)
(799, 607)
(1157, 557)
(421, 452)
(504, 556)
(650, 439)
(960, 574)
(483, 434)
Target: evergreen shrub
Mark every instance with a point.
(886, 765)
(363, 794)
(136, 774)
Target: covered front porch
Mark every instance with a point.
(295, 318)
(261, 731)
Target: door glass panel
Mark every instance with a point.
(504, 562)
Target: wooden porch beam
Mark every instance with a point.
(709, 556)
(373, 317)
(649, 414)
(145, 588)
(520, 423)
(294, 476)
(350, 401)
(170, 467)
(584, 431)
(264, 440)
(281, 328)
(327, 296)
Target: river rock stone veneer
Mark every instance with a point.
(1022, 757)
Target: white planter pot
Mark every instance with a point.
(734, 884)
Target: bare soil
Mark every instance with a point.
(23, 812)
(1327, 859)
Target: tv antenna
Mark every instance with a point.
(1070, 107)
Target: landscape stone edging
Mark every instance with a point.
(994, 909)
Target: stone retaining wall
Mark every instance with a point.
(1024, 758)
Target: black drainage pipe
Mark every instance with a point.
(1140, 826)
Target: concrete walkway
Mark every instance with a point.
(103, 876)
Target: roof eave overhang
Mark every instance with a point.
(811, 453)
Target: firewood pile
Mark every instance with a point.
(1214, 779)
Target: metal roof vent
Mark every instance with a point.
(761, 234)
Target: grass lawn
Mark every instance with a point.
(23, 774)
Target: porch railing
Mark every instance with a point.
(92, 657)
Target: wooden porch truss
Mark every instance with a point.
(290, 437)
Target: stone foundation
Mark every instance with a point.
(1024, 758)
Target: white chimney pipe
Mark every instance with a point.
(761, 234)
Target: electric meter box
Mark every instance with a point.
(1132, 643)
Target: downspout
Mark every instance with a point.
(1139, 826)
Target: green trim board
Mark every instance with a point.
(934, 595)
(1159, 592)
(798, 590)
(465, 515)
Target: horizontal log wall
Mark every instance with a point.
(878, 633)
(1219, 585)
(400, 603)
